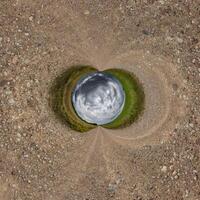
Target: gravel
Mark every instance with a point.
(40, 157)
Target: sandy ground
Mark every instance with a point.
(158, 157)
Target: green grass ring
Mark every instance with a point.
(134, 99)
(62, 94)
(61, 98)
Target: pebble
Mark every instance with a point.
(11, 101)
(191, 125)
(164, 169)
(179, 40)
(194, 60)
(30, 18)
(87, 12)
(18, 135)
(28, 84)
(161, 2)
(15, 60)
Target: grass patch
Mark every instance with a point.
(134, 99)
(61, 97)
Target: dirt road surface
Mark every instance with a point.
(156, 158)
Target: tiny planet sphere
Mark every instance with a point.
(98, 98)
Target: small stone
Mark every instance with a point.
(179, 40)
(176, 177)
(15, 60)
(28, 84)
(26, 61)
(168, 38)
(11, 101)
(18, 135)
(164, 169)
(174, 173)
(30, 18)
(185, 81)
(191, 125)
(179, 60)
(194, 21)
(161, 2)
(87, 12)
